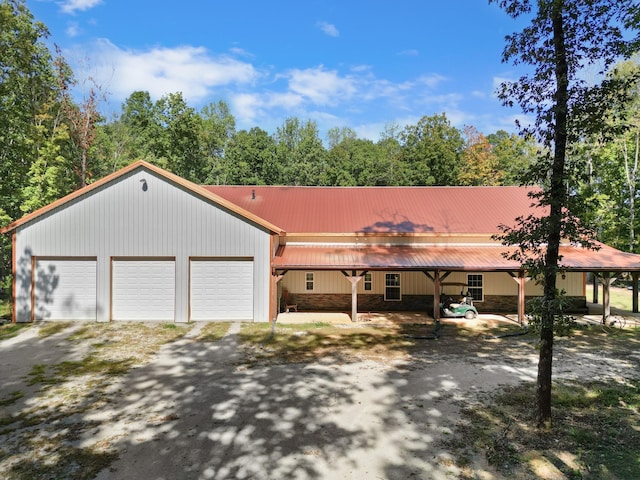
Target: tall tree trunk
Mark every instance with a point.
(631, 176)
(557, 202)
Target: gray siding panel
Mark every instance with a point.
(120, 219)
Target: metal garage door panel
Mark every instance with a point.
(143, 290)
(221, 290)
(65, 289)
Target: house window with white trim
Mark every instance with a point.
(392, 287)
(368, 282)
(476, 284)
(309, 281)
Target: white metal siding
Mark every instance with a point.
(122, 220)
(221, 289)
(65, 289)
(143, 290)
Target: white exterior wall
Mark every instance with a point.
(119, 219)
(417, 283)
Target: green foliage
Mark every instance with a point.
(539, 308)
(562, 37)
(250, 159)
(10, 330)
(431, 152)
(596, 428)
(299, 152)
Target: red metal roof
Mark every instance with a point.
(440, 257)
(395, 210)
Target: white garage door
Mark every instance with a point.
(221, 289)
(143, 290)
(65, 289)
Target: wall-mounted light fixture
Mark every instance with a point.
(144, 185)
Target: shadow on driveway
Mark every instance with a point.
(197, 412)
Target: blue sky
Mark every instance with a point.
(343, 63)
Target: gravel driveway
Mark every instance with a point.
(197, 411)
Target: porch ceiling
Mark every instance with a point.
(440, 257)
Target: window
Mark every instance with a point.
(475, 282)
(309, 281)
(368, 282)
(392, 286)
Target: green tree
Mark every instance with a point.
(514, 155)
(622, 156)
(81, 119)
(431, 152)
(179, 141)
(27, 86)
(563, 37)
(479, 163)
(300, 153)
(138, 118)
(250, 159)
(218, 127)
(51, 175)
(357, 161)
(27, 83)
(390, 149)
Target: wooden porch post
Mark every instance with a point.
(521, 280)
(436, 296)
(634, 287)
(607, 280)
(354, 278)
(273, 298)
(595, 287)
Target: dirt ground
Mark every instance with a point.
(198, 410)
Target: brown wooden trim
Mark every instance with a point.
(221, 259)
(192, 187)
(273, 282)
(14, 277)
(63, 257)
(33, 289)
(134, 258)
(110, 289)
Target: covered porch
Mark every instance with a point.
(438, 261)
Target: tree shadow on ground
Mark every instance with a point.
(203, 410)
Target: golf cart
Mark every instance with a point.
(449, 308)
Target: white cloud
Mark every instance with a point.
(320, 86)
(73, 29)
(71, 6)
(328, 29)
(161, 70)
(431, 81)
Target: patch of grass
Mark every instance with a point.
(595, 432)
(52, 328)
(73, 388)
(5, 309)
(620, 297)
(92, 365)
(11, 398)
(213, 331)
(38, 374)
(299, 342)
(60, 462)
(10, 330)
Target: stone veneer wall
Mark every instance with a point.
(409, 303)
